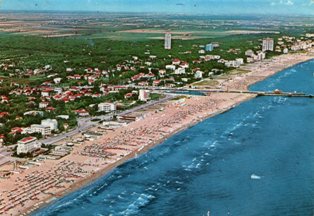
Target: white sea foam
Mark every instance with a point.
(141, 201)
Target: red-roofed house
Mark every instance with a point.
(4, 99)
(74, 88)
(128, 95)
(149, 75)
(184, 65)
(144, 83)
(46, 92)
(97, 95)
(50, 109)
(66, 100)
(16, 130)
(156, 82)
(77, 76)
(3, 114)
(176, 61)
(82, 112)
(137, 77)
(72, 97)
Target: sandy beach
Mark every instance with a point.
(23, 192)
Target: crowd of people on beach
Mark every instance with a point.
(30, 188)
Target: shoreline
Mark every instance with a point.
(106, 171)
(224, 104)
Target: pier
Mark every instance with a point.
(197, 91)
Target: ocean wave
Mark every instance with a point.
(141, 201)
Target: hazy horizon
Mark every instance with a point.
(208, 7)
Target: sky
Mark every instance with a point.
(209, 7)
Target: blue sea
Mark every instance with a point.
(256, 159)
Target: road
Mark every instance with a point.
(86, 123)
(5, 157)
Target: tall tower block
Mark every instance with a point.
(168, 41)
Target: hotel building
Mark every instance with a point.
(268, 44)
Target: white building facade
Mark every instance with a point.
(43, 130)
(268, 44)
(106, 107)
(51, 123)
(27, 145)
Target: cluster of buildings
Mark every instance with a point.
(254, 57)
(205, 48)
(46, 127)
(267, 45)
(76, 85)
(180, 68)
(302, 45)
(234, 63)
(287, 43)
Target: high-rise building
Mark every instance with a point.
(168, 41)
(209, 47)
(268, 44)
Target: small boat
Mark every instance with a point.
(255, 177)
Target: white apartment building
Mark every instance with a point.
(27, 145)
(43, 130)
(52, 123)
(106, 107)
